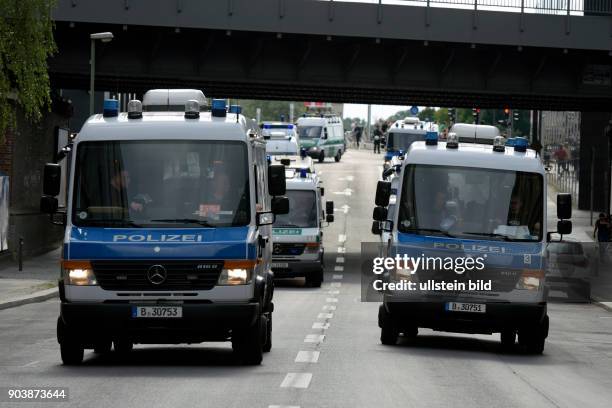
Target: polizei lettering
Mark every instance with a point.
(157, 238)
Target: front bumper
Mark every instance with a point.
(498, 316)
(92, 322)
(296, 269)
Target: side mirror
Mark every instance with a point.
(276, 180)
(265, 218)
(329, 218)
(324, 133)
(380, 214)
(280, 205)
(48, 204)
(322, 189)
(52, 177)
(376, 228)
(564, 227)
(285, 162)
(329, 207)
(564, 206)
(383, 193)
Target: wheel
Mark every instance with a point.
(388, 331)
(103, 347)
(248, 343)
(123, 346)
(532, 338)
(321, 156)
(507, 338)
(268, 344)
(338, 156)
(71, 348)
(314, 279)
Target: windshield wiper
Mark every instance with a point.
(286, 225)
(112, 221)
(184, 221)
(502, 236)
(445, 233)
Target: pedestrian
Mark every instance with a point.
(602, 231)
(377, 137)
(357, 132)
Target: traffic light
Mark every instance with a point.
(476, 115)
(452, 115)
(516, 115)
(506, 113)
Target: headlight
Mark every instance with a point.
(79, 273)
(314, 148)
(236, 273)
(402, 274)
(530, 280)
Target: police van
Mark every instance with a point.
(168, 231)
(322, 136)
(298, 236)
(281, 138)
(460, 201)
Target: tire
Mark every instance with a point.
(248, 343)
(315, 279)
(533, 338)
(321, 156)
(71, 348)
(507, 338)
(103, 347)
(268, 344)
(338, 156)
(388, 331)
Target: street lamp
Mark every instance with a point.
(104, 37)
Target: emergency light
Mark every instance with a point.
(237, 109)
(303, 173)
(498, 144)
(520, 144)
(134, 109)
(218, 108)
(510, 142)
(192, 109)
(431, 138)
(452, 141)
(111, 108)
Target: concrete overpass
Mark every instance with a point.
(342, 51)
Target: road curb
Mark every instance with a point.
(35, 297)
(601, 303)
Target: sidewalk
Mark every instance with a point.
(35, 283)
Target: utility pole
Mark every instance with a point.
(369, 121)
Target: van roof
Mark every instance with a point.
(474, 155)
(306, 183)
(171, 99)
(165, 125)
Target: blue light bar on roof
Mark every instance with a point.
(520, 144)
(111, 108)
(237, 109)
(431, 138)
(219, 108)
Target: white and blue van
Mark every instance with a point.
(168, 231)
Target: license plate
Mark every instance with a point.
(162, 312)
(280, 264)
(466, 307)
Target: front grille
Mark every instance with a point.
(502, 280)
(180, 275)
(288, 249)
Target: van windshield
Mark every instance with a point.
(403, 140)
(310, 132)
(161, 183)
(473, 203)
(302, 210)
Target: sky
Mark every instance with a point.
(353, 110)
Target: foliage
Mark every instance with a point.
(270, 110)
(26, 41)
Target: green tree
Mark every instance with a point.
(427, 113)
(270, 110)
(26, 41)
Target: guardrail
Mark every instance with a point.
(555, 7)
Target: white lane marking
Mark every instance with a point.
(345, 208)
(341, 238)
(335, 284)
(346, 192)
(314, 338)
(337, 276)
(347, 178)
(296, 380)
(329, 307)
(325, 315)
(331, 300)
(283, 406)
(31, 363)
(320, 326)
(340, 259)
(307, 356)
(338, 268)
(334, 292)
(341, 250)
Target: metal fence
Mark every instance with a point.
(563, 175)
(556, 7)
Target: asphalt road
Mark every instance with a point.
(347, 368)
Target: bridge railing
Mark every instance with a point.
(555, 7)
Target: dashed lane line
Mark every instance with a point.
(305, 356)
(314, 338)
(340, 260)
(331, 300)
(341, 250)
(320, 326)
(325, 316)
(333, 292)
(335, 284)
(329, 307)
(296, 380)
(338, 268)
(341, 238)
(337, 276)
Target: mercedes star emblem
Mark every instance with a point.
(157, 274)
